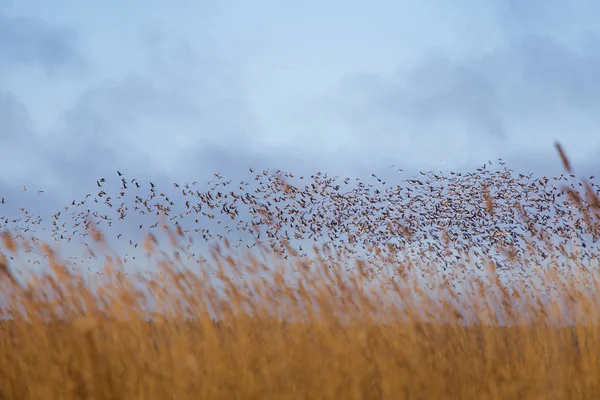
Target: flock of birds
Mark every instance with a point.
(432, 216)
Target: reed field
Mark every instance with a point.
(449, 286)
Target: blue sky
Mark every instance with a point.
(174, 91)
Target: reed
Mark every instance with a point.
(329, 325)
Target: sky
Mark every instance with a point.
(175, 91)
(184, 89)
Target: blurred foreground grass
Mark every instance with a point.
(333, 328)
(332, 338)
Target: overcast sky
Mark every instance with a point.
(179, 90)
(176, 91)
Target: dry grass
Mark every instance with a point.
(328, 331)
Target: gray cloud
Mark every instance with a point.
(151, 126)
(110, 126)
(31, 41)
(536, 11)
(16, 125)
(22, 154)
(549, 17)
(530, 88)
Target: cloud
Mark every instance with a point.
(21, 152)
(548, 17)
(15, 123)
(28, 41)
(522, 95)
(151, 124)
